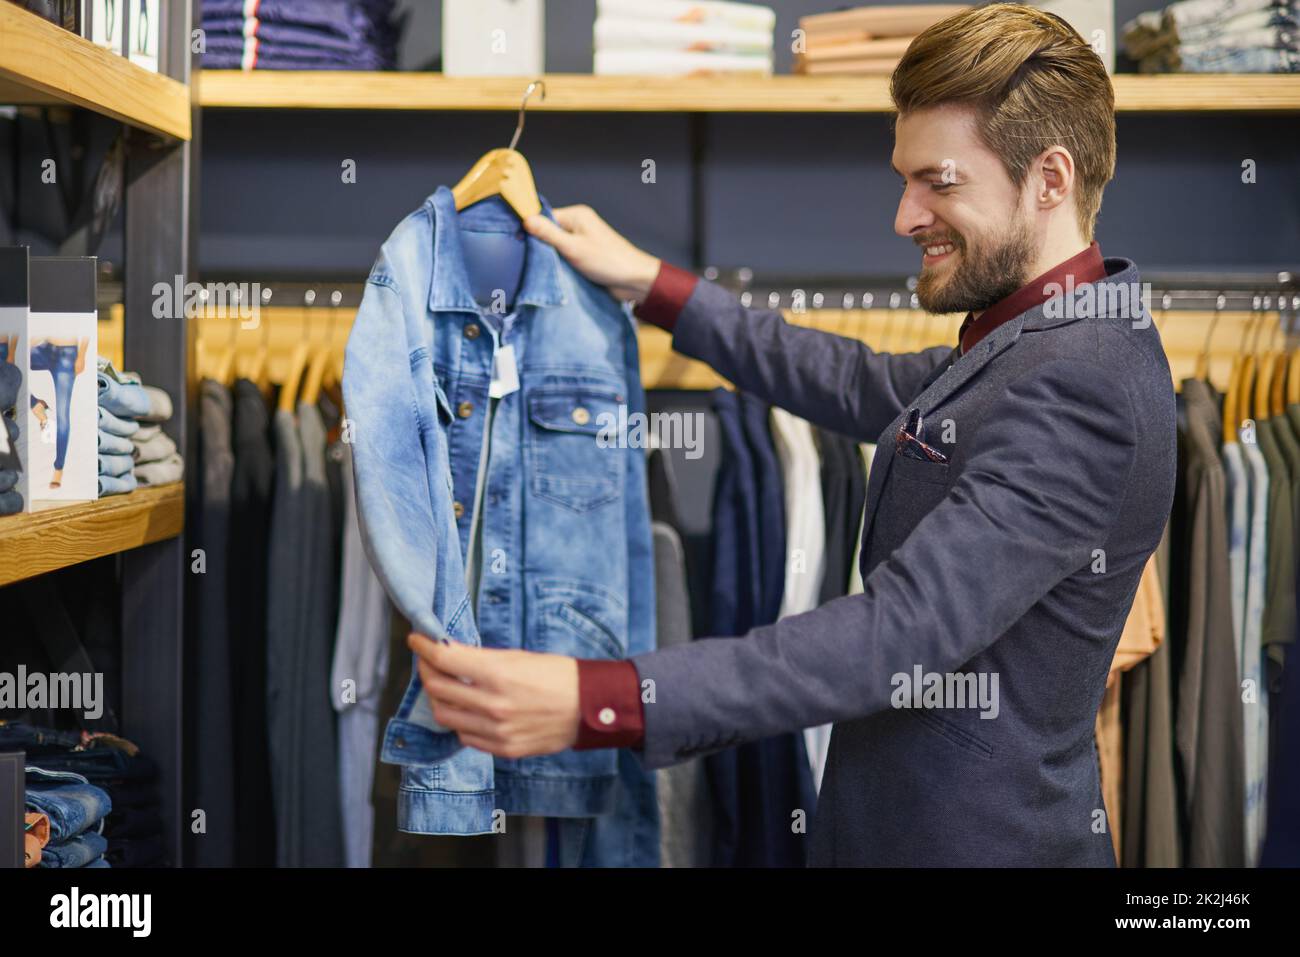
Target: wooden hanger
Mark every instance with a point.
(1203, 360)
(504, 173)
(321, 360)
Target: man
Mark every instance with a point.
(1021, 482)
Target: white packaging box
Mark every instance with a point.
(57, 408)
(145, 24)
(493, 37)
(107, 18)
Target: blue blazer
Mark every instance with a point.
(1017, 557)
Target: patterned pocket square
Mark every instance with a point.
(908, 443)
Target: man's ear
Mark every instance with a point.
(1053, 174)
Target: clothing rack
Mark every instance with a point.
(1210, 315)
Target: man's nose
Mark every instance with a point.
(913, 216)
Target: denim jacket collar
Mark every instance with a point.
(450, 288)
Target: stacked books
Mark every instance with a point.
(864, 40)
(682, 37)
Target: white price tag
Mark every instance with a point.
(505, 374)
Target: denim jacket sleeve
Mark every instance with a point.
(394, 482)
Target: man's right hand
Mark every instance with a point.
(597, 250)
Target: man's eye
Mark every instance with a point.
(941, 186)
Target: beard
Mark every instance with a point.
(997, 268)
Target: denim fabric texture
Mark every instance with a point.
(115, 465)
(566, 553)
(72, 804)
(124, 401)
(78, 851)
(110, 444)
(117, 484)
(117, 425)
(60, 362)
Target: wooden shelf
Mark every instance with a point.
(55, 535)
(337, 90)
(43, 63)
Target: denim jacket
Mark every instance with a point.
(566, 555)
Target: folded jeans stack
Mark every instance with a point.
(133, 450)
(74, 810)
(10, 464)
(300, 35)
(128, 832)
(682, 37)
(1216, 36)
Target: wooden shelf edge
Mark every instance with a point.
(43, 63)
(577, 92)
(34, 543)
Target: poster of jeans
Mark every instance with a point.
(143, 35)
(58, 398)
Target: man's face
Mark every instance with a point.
(960, 207)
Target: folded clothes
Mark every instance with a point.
(99, 862)
(73, 805)
(36, 740)
(104, 766)
(11, 503)
(117, 484)
(117, 425)
(258, 56)
(170, 469)
(102, 364)
(74, 852)
(1234, 60)
(341, 16)
(126, 401)
(293, 34)
(8, 479)
(147, 432)
(160, 405)
(111, 444)
(154, 449)
(115, 465)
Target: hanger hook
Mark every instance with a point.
(523, 106)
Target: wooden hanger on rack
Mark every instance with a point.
(321, 362)
(504, 173)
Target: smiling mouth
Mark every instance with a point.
(936, 253)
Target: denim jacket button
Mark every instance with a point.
(399, 742)
(458, 509)
(581, 415)
(472, 331)
(465, 409)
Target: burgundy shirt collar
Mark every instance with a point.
(1085, 267)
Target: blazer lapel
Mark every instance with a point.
(949, 380)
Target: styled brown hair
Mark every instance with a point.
(1033, 82)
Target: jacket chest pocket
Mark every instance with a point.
(573, 445)
(911, 490)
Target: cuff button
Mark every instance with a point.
(606, 716)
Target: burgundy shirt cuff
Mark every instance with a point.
(609, 702)
(667, 297)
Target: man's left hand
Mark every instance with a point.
(511, 703)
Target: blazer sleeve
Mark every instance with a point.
(1028, 509)
(829, 380)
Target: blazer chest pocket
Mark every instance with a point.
(914, 470)
(574, 448)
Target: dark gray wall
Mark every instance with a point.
(783, 194)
